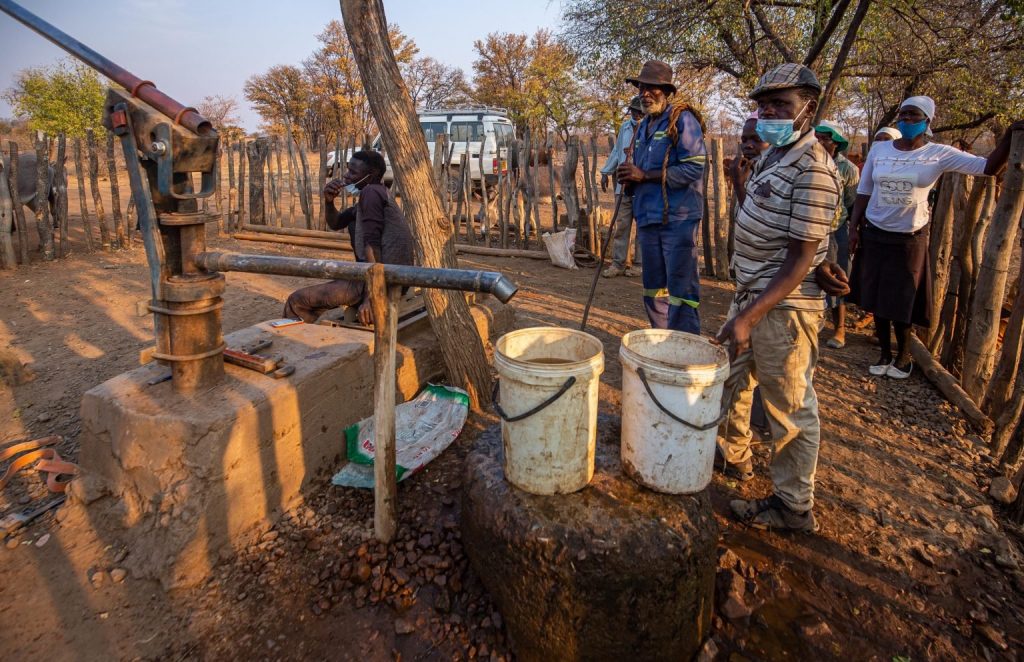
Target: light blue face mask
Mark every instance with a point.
(779, 133)
(911, 130)
(353, 188)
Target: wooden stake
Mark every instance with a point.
(229, 221)
(120, 231)
(721, 210)
(707, 232)
(94, 185)
(983, 327)
(549, 145)
(940, 248)
(60, 205)
(257, 153)
(384, 302)
(19, 209)
(307, 184)
(321, 144)
(242, 151)
(8, 258)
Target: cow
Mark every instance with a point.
(26, 184)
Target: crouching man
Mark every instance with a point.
(378, 230)
(782, 227)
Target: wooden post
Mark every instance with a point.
(525, 186)
(19, 209)
(321, 179)
(721, 211)
(293, 183)
(384, 302)
(535, 186)
(969, 252)
(586, 204)
(549, 146)
(8, 258)
(707, 232)
(485, 218)
(983, 326)
(120, 231)
(60, 204)
(94, 186)
(570, 194)
(940, 247)
(243, 150)
(218, 189)
(229, 221)
(459, 200)
(257, 153)
(307, 193)
(503, 175)
(43, 224)
(459, 341)
(274, 207)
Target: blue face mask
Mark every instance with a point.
(779, 133)
(911, 130)
(353, 188)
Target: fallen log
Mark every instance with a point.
(502, 252)
(296, 232)
(948, 386)
(294, 241)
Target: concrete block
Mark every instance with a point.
(181, 480)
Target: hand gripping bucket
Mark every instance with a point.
(549, 380)
(672, 405)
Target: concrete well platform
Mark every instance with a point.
(183, 480)
(612, 572)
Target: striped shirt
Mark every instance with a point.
(794, 198)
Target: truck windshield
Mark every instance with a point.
(463, 131)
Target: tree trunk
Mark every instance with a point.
(307, 187)
(242, 152)
(94, 185)
(321, 178)
(707, 231)
(461, 345)
(570, 194)
(983, 327)
(19, 209)
(550, 145)
(120, 231)
(970, 250)
(229, 222)
(43, 224)
(1009, 357)
(80, 180)
(8, 258)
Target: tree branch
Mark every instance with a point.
(976, 122)
(840, 62)
(780, 45)
(826, 33)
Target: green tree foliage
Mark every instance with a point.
(65, 98)
(500, 72)
(281, 96)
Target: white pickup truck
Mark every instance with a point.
(484, 128)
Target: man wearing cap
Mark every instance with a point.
(787, 209)
(666, 176)
(835, 143)
(623, 222)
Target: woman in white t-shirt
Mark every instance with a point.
(889, 235)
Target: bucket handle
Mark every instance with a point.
(512, 419)
(699, 428)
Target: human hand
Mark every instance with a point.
(854, 240)
(832, 278)
(365, 313)
(333, 189)
(735, 334)
(604, 183)
(627, 172)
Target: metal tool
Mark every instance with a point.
(600, 262)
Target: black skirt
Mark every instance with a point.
(891, 276)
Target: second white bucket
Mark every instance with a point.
(669, 425)
(548, 406)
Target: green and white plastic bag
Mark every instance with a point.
(424, 427)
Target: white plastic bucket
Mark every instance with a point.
(685, 375)
(549, 379)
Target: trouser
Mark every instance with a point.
(671, 283)
(781, 359)
(623, 232)
(839, 251)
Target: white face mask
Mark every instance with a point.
(353, 188)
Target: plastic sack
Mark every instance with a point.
(424, 427)
(560, 247)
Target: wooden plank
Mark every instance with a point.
(293, 241)
(384, 302)
(501, 252)
(328, 235)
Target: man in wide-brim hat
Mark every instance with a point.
(666, 177)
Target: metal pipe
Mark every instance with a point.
(448, 279)
(143, 89)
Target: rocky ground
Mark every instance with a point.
(914, 560)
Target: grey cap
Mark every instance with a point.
(784, 77)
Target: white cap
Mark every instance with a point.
(889, 131)
(924, 104)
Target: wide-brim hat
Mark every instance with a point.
(654, 72)
(785, 77)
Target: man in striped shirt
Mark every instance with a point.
(782, 227)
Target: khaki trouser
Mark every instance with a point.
(783, 354)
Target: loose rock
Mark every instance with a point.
(1002, 490)
(118, 575)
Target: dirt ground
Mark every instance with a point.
(913, 560)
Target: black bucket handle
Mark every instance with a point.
(512, 419)
(699, 428)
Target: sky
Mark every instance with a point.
(194, 49)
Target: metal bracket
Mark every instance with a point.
(162, 151)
